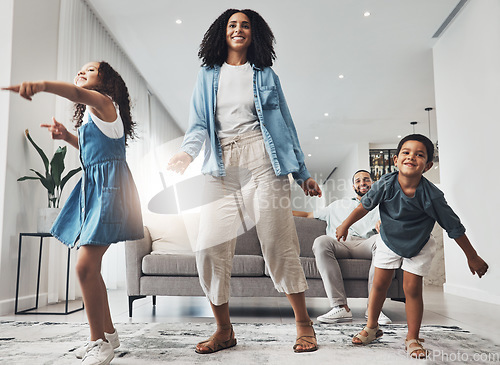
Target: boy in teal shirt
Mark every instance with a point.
(409, 206)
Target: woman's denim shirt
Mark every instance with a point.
(278, 130)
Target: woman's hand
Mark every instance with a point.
(179, 162)
(27, 89)
(57, 130)
(311, 187)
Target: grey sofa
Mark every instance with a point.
(176, 275)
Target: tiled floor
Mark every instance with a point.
(440, 309)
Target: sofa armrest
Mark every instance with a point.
(134, 253)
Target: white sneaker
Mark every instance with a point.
(98, 353)
(111, 337)
(382, 318)
(335, 315)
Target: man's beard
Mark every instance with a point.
(360, 193)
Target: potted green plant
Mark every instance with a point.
(52, 180)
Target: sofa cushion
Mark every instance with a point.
(350, 268)
(185, 265)
(248, 243)
(248, 265)
(177, 265)
(174, 234)
(310, 268)
(308, 230)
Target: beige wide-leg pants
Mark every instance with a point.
(250, 186)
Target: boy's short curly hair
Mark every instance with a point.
(429, 146)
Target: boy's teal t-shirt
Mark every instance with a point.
(408, 222)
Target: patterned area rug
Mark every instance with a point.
(159, 343)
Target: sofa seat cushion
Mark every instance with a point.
(248, 265)
(185, 265)
(176, 265)
(352, 269)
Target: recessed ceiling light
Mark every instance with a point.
(178, 21)
(316, 137)
(366, 13)
(341, 76)
(399, 136)
(309, 155)
(326, 114)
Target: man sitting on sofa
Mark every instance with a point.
(359, 245)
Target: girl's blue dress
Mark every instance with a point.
(104, 206)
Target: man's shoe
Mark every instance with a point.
(111, 337)
(98, 353)
(335, 315)
(382, 318)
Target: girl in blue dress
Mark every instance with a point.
(104, 206)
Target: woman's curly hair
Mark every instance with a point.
(111, 84)
(213, 47)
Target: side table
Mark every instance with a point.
(29, 311)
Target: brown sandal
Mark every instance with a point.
(218, 344)
(297, 344)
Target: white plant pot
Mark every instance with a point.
(46, 217)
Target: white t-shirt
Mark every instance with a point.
(110, 129)
(235, 111)
(335, 213)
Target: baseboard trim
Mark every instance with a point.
(7, 306)
(471, 293)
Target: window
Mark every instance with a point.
(381, 162)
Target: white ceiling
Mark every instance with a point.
(386, 60)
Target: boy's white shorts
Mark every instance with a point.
(419, 265)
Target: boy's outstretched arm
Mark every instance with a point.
(476, 263)
(356, 215)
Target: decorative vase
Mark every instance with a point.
(46, 217)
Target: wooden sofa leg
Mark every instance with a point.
(154, 299)
(131, 299)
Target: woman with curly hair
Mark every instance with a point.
(239, 111)
(104, 206)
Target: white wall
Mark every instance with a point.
(33, 39)
(467, 84)
(340, 183)
(6, 19)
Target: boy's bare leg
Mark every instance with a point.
(412, 286)
(381, 281)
